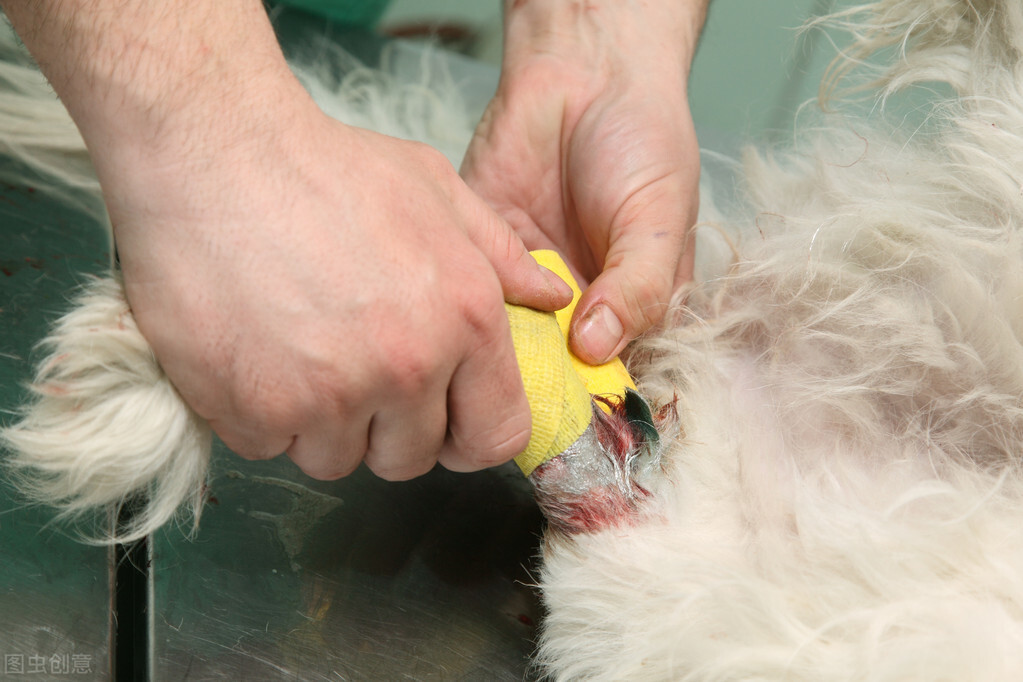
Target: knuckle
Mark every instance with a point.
(497, 444)
(645, 296)
(327, 468)
(274, 415)
(248, 443)
(413, 367)
(482, 308)
(403, 470)
(257, 395)
(246, 449)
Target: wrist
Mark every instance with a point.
(660, 33)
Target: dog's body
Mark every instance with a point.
(844, 498)
(845, 501)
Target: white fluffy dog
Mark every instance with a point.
(843, 498)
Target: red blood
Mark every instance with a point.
(604, 505)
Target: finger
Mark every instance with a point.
(249, 442)
(333, 450)
(651, 251)
(523, 281)
(488, 414)
(406, 438)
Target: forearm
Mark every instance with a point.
(141, 78)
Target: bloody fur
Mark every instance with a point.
(601, 486)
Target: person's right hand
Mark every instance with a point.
(332, 293)
(307, 287)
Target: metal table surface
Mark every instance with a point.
(287, 578)
(353, 580)
(54, 591)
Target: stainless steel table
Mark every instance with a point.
(287, 578)
(54, 592)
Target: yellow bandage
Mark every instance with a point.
(611, 378)
(558, 384)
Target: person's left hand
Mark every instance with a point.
(588, 148)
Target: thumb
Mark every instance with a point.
(641, 272)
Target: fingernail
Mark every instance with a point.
(559, 287)
(598, 334)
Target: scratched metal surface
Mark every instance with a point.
(358, 579)
(54, 592)
(287, 578)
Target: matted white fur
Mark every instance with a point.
(846, 499)
(106, 423)
(846, 503)
(35, 129)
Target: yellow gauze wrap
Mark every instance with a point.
(558, 384)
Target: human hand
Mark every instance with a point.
(307, 287)
(588, 148)
(336, 297)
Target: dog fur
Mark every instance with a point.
(843, 500)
